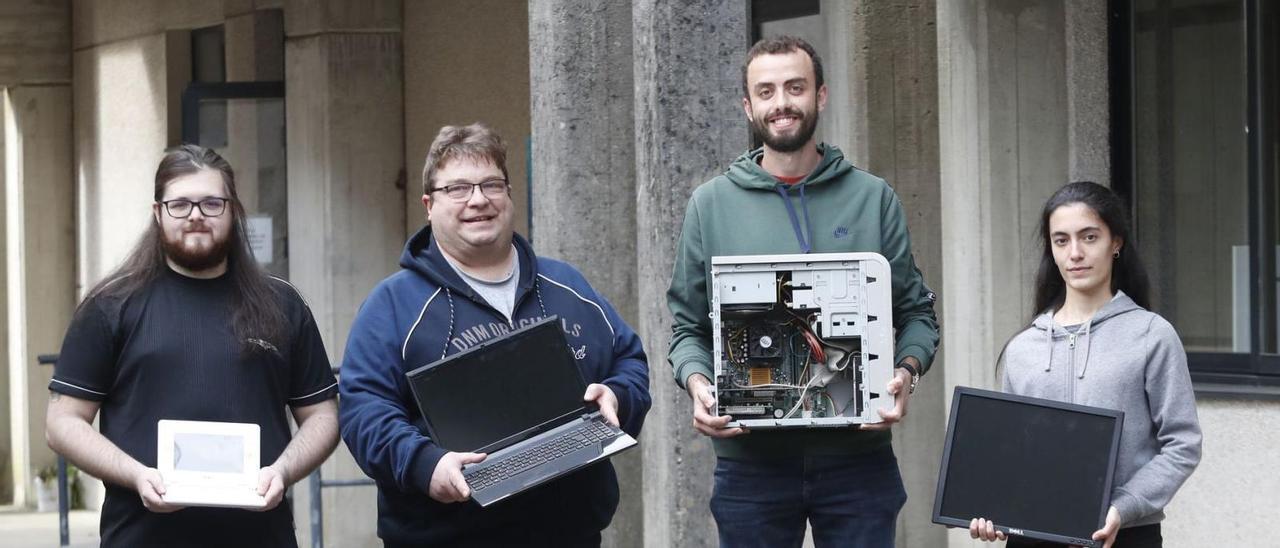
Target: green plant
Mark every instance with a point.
(49, 476)
(48, 473)
(75, 487)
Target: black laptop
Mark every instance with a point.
(518, 398)
(1037, 468)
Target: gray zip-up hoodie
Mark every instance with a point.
(1124, 358)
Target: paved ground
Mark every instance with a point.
(21, 529)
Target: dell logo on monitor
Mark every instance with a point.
(1015, 531)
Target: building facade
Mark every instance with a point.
(974, 110)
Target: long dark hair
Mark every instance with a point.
(255, 305)
(1127, 272)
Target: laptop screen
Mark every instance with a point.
(1041, 466)
(500, 388)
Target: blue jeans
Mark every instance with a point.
(849, 500)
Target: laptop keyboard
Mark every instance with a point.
(567, 442)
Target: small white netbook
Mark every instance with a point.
(209, 463)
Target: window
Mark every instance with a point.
(1194, 113)
(244, 121)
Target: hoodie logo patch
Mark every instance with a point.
(841, 232)
(580, 353)
(482, 332)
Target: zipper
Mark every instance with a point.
(1071, 369)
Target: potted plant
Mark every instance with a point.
(47, 489)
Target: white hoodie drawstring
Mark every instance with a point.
(1049, 363)
(445, 349)
(1087, 343)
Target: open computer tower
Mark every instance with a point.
(802, 340)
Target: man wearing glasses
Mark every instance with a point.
(189, 327)
(464, 279)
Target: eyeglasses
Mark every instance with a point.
(461, 192)
(209, 207)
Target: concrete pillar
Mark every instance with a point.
(481, 47)
(345, 120)
(689, 126)
(40, 257)
(1004, 148)
(37, 285)
(8, 472)
(121, 128)
(35, 142)
(1088, 94)
(886, 102)
(584, 172)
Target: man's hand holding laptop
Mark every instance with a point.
(150, 487)
(271, 482)
(604, 398)
(447, 483)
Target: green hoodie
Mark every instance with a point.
(837, 208)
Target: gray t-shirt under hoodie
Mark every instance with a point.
(500, 294)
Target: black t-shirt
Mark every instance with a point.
(169, 351)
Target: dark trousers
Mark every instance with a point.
(849, 500)
(1143, 536)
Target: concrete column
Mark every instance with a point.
(584, 172)
(1088, 99)
(40, 255)
(887, 104)
(8, 472)
(689, 126)
(1004, 148)
(121, 128)
(37, 284)
(345, 119)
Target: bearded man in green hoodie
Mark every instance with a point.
(795, 195)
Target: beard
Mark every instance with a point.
(808, 125)
(196, 257)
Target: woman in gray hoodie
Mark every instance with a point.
(1093, 342)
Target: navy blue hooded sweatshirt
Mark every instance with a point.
(425, 312)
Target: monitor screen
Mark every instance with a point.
(1041, 466)
(500, 388)
(220, 453)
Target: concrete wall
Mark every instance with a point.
(891, 98)
(121, 104)
(1019, 108)
(466, 61)
(1004, 148)
(40, 250)
(1003, 136)
(1231, 498)
(584, 173)
(689, 126)
(345, 120)
(35, 65)
(8, 473)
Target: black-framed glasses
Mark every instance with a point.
(209, 207)
(460, 192)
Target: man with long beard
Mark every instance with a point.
(189, 327)
(794, 195)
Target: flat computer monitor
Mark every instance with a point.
(1036, 468)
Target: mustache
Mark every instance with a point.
(788, 111)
